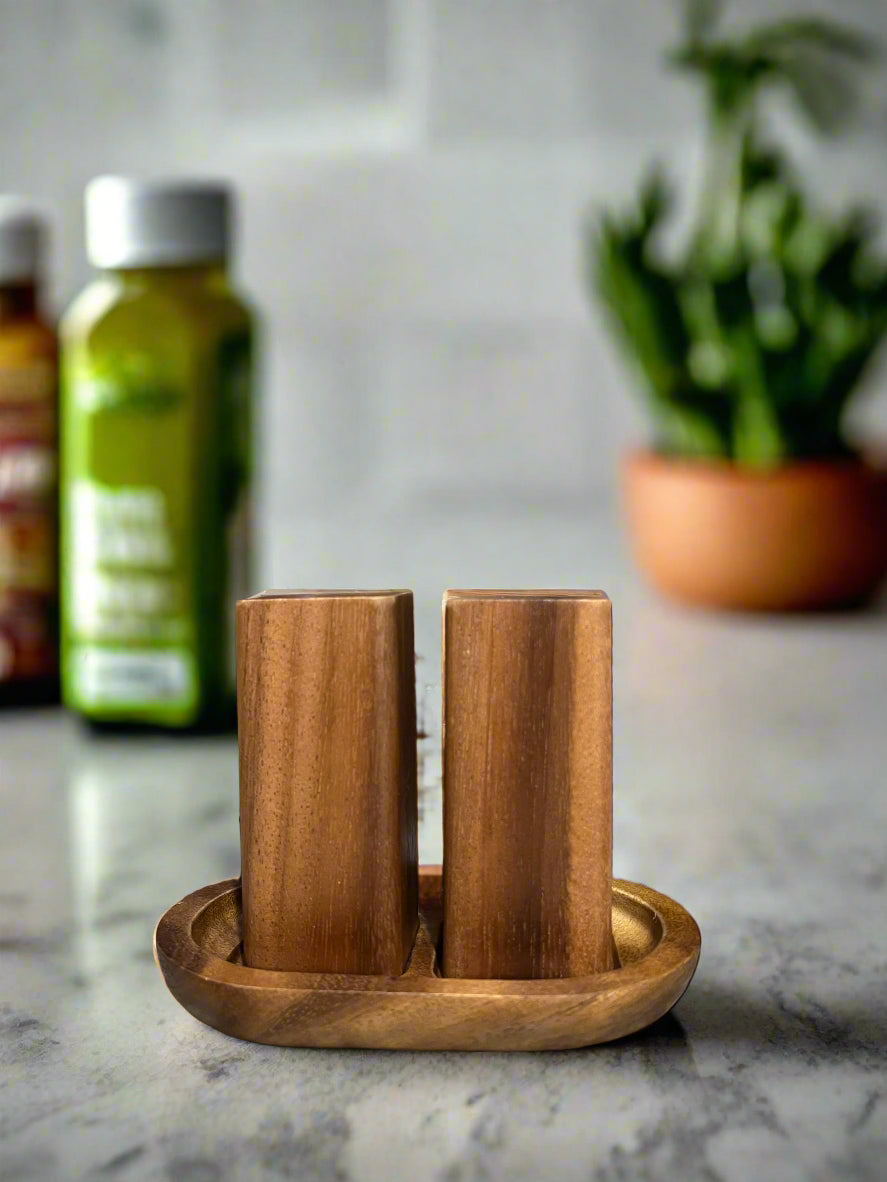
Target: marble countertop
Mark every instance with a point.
(751, 758)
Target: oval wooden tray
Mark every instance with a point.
(197, 946)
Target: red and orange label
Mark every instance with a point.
(28, 481)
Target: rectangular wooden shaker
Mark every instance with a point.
(328, 809)
(527, 784)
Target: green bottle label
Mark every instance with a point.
(128, 527)
(129, 601)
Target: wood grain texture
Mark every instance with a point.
(527, 784)
(197, 947)
(328, 807)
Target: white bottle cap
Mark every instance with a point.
(155, 224)
(21, 234)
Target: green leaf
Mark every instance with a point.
(822, 90)
(782, 38)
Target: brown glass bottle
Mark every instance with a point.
(28, 469)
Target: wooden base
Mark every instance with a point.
(197, 946)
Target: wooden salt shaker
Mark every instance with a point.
(527, 749)
(328, 808)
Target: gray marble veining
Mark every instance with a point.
(750, 784)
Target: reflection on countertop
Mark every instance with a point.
(750, 765)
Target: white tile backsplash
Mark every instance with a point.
(413, 177)
(318, 414)
(430, 234)
(548, 70)
(279, 59)
(474, 394)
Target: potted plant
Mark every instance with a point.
(751, 342)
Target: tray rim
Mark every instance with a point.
(673, 959)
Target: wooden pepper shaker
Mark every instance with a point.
(328, 808)
(527, 784)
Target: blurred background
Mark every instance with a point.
(438, 403)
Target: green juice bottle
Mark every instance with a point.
(155, 460)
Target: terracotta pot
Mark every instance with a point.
(804, 536)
